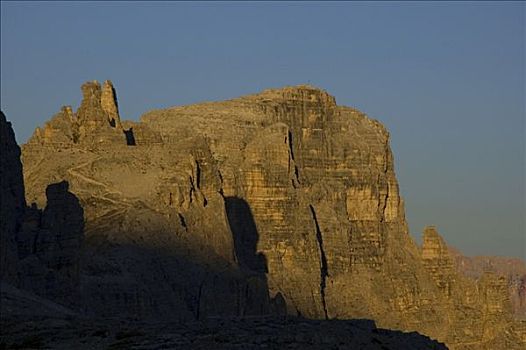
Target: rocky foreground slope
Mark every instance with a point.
(277, 203)
(36, 323)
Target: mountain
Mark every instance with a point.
(513, 268)
(282, 202)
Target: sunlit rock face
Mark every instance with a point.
(108, 101)
(96, 123)
(480, 307)
(438, 261)
(278, 202)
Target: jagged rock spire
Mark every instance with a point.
(97, 117)
(99, 106)
(437, 260)
(109, 104)
(90, 112)
(433, 246)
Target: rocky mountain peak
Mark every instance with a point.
(433, 246)
(307, 94)
(96, 122)
(437, 259)
(109, 104)
(90, 114)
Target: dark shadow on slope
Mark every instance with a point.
(248, 333)
(130, 137)
(245, 235)
(159, 270)
(49, 245)
(147, 278)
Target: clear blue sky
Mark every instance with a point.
(447, 79)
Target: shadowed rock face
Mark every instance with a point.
(245, 234)
(281, 200)
(49, 247)
(40, 250)
(12, 200)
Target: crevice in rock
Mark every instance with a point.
(197, 174)
(75, 134)
(192, 190)
(382, 219)
(291, 151)
(198, 311)
(130, 137)
(290, 145)
(220, 179)
(182, 221)
(386, 167)
(324, 271)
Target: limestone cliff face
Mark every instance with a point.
(320, 181)
(281, 201)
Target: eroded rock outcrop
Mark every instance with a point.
(96, 123)
(281, 200)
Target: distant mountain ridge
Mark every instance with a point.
(513, 268)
